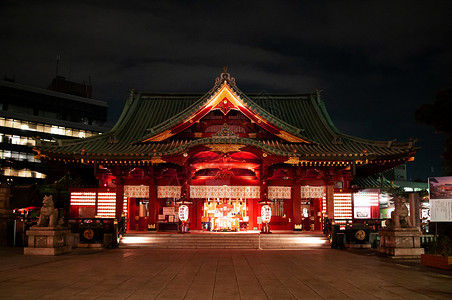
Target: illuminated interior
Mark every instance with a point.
(225, 215)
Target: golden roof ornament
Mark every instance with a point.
(225, 77)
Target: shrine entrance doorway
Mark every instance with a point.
(225, 215)
(311, 214)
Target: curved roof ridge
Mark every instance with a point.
(132, 99)
(387, 143)
(272, 118)
(219, 83)
(175, 119)
(337, 133)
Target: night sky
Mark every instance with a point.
(376, 61)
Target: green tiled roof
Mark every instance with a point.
(372, 182)
(303, 115)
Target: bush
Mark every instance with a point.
(442, 245)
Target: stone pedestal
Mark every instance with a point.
(401, 242)
(47, 241)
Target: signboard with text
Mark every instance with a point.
(440, 190)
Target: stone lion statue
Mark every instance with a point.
(49, 214)
(399, 217)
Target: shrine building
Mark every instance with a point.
(225, 153)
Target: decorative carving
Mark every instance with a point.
(225, 148)
(224, 175)
(291, 138)
(224, 132)
(157, 160)
(225, 106)
(225, 76)
(292, 161)
(399, 216)
(160, 137)
(49, 214)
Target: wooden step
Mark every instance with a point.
(223, 241)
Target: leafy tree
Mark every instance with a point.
(439, 114)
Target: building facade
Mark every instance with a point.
(225, 154)
(65, 110)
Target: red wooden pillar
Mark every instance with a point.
(317, 207)
(330, 201)
(296, 201)
(199, 212)
(250, 214)
(119, 196)
(132, 214)
(153, 209)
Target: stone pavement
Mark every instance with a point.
(218, 274)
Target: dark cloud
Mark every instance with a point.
(376, 61)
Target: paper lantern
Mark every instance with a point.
(266, 213)
(183, 213)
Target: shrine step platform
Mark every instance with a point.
(224, 240)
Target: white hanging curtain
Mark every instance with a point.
(279, 192)
(168, 191)
(308, 192)
(250, 192)
(136, 191)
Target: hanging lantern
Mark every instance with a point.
(266, 213)
(183, 213)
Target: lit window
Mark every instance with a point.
(15, 140)
(23, 140)
(24, 173)
(56, 130)
(16, 124)
(47, 128)
(32, 126)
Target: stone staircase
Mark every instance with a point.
(224, 241)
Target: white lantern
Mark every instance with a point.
(183, 213)
(266, 213)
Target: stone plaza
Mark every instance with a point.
(218, 274)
